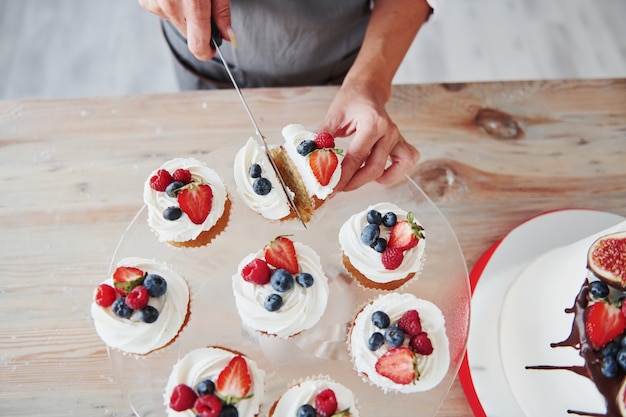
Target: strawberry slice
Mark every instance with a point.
(399, 365)
(405, 234)
(323, 162)
(234, 382)
(603, 323)
(281, 253)
(125, 278)
(196, 201)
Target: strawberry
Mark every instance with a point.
(324, 140)
(196, 201)
(323, 162)
(421, 344)
(392, 258)
(405, 234)
(326, 403)
(398, 364)
(234, 382)
(208, 406)
(106, 295)
(256, 271)
(182, 398)
(125, 278)
(137, 298)
(603, 323)
(410, 322)
(161, 180)
(281, 253)
(183, 175)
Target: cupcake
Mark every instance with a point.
(382, 246)
(308, 162)
(398, 343)
(281, 290)
(313, 397)
(141, 308)
(214, 381)
(188, 204)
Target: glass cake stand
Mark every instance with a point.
(321, 350)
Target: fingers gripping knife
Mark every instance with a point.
(216, 40)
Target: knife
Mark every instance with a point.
(216, 40)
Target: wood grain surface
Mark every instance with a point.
(72, 171)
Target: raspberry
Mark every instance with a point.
(256, 271)
(326, 403)
(183, 175)
(208, 406)
(410, 323)
(392, 258)
(161, 180)
(183, 398)
(137, 298)
(105, 295)
(324, 140)
(421, 344)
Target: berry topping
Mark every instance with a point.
(324, 140)
(375, 341)
(273, 302)
(137, 298)
(121, 309)
(255, 171)
(149, 314)
(389, 219)
(155, 284)
(306, 147)
(208, 406)
(392, 258)
(306, 410)
(410, 322)
(281, 253)
(304, 279)
(234, 382)
(172, 213)
(609, 367)
(370, 234)
(229, 410)
(374, 217)
(405, 234)
(380, 245)
(206, 387)
(125, 278)
(262, 186)
(380, 319)
(281, 280)
(394, 336)
(398, 365)
(323, 163)
(326, 403)
(174, 188)
(182, 398)
(598, 290)
(183, 175)
(196, 201)
(256, 271)
(161, 180)
(421, 344)
(603, 323)
(105, 295)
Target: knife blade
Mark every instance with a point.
(216, 40)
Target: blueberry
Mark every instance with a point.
(155, 284)
(281, 280)
(622, 342)
(621, 358)
(375, 341)
(254, 171)
(610, 349)
(370, 233)
(206, 387)
(394, 336)
(598, 290)
(120, 308)
(389, 219)
(380, 319)
(608, 367)
(374, 217)
(306, 147)
(306, 410)
(304, 279)
(172, 213)
(262, 186)
(148, 314)
(380, 245)
(172, 189)
(273, 302)
(229, 410)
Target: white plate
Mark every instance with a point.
(486, 383)
(320, 350)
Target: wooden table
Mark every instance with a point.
(72, 170)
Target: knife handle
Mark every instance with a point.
(216, 36)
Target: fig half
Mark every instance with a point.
(606, 258)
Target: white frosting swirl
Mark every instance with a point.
(302, 307)
(367, 260)
(294, 134)
(183, 229)
(273, 205)
(432, 368)
(134, 336)
(305, 393)
(207, 363)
